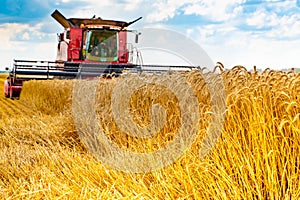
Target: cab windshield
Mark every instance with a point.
(101, 45)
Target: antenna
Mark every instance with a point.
(128, 24)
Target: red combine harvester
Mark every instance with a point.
(88, 47)
(98, 46)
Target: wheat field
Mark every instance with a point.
(256, 156)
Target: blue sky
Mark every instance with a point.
(265, 33)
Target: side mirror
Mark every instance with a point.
(137, 37)
(58, 37)
(68, 35)
(6, 68)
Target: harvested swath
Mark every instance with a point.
(48, 96)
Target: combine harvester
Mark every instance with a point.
(88, 47)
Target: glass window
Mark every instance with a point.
(102, 45)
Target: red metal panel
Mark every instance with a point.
(75, 44)
(123, 52)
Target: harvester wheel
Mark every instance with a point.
(15, 95)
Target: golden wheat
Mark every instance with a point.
(49, 100)
(256, 157)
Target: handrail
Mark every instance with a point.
(50, 68)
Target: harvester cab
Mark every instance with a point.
(93, 40)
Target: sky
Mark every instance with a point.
(264, 33)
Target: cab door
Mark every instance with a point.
(75, 44)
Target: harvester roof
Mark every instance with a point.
(77, 22)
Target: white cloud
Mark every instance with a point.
(18, 42)
(8, 32)
(25, 51)
(110, 9)
(164, 10)
(25, 36)
(216, 10)
(261, 18)
(286, 27)
(235, 47)
(278, 26)
(132, 5)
